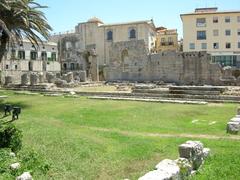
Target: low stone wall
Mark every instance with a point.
(191, 156)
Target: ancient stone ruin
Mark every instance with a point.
(130, 61)
(191, 157)
(233, 126)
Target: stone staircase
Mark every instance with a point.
(168, 93)
(192, 93)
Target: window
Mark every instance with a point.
(191, 46)
(13, 53)
(238, 32)
(21, 55)
(238, 19)
(215, 19)
(225, 60)
(228, 45)
(33, 55)
(16, 67)
(228, 32)
(227, 19)
(7, 66)
(215, 32)
(65, 66)
(30, 66)
(68, 45)
(238, 44)
(132, 34)
(215, 45)
(201, 22)
(109, 35)
(44, 56)
(201, 35)
(72, 66)
(170, 41)
(163, 42)
(204, 45)
(54, 56)
(68, 55)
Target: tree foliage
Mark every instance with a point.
(21, 19)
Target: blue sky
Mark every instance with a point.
(63, 15)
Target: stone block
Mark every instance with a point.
(235, 119)
(68, 77)
(185, 167)
(8, 80)
(50, 77)
(60, 83)
(58, 75)
(83, 76)
(25, 176)
(193, 151)
(206, 152)
(233, 127)
(15, 166)
(24, 79)
(34, 79)
(41, 77)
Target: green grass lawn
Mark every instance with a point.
(95, 139)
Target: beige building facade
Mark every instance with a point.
(217, 32)
(166, 39)
(26, 58)
(97, 36)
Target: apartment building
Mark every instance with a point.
(217, 32)
(166, 39)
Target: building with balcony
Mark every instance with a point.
(166, 39)
(217, 32)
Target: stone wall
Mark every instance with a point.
(130, 61)
(16, 68)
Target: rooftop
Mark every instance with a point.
(149, 22)
(211, 10)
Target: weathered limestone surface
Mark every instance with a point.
(233, 127)
(192, 155)
(68, 77)
(24, 79)
(8, 80)
(25, 176)
(83, 76)
(130, 61)
(60, 83)
(34, 79)
(185, 167)
(193, 151)
(50, 77)
(15, 166)
(41, 77)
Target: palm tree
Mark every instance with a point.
(22, 19)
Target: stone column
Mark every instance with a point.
(34, 79)
(50, 77)
(24, 79)
(41, 77)
(8, 80)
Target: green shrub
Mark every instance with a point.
(10, 137)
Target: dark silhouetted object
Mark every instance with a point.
(7, 109)
(16, 112)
